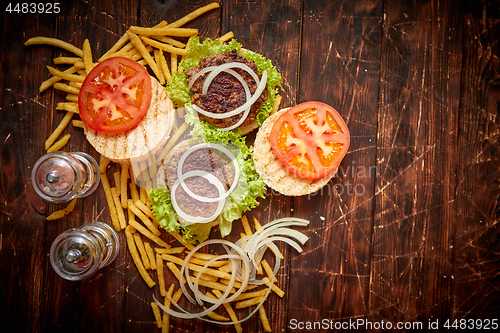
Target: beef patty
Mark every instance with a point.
(208, 160)
(225, 93)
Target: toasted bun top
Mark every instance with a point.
(151, 133)
(273, 172)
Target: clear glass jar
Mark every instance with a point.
(62, 177)
(78, 253)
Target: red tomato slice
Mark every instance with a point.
(310, 139)
(115, 95)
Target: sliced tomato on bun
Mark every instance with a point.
(298, 150)
(115, 95)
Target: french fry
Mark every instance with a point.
(249, 302)
(164, 66)
(256, 224)
(170, 40)
(154, 230)
(55, 42)
(237, 284)
(77, 123)
(171, 142)
(145, 209)
(119, 209)
(54, 79)
(196, 268)
(157, 60)
(59, 144)
(142, 251)
(66, 88)
(110, 201)
(175, 270)
(148, 233)
(59, 129)
(103, 163)
(276, 105)
(188, 246)
(118, 45)
(124, 185)
(137, 260)
(66, 76)
(230, 311)
(274, 288)
(87, 56)
(203, 262)
(264, 320)
(173, 63)
(72, 98)
(172, 250)
(157, 314)
(268, 269)
(246, 226)
(159, 272)
(194, 14)
(67, 60)
(117, 178)
(133, 188)
(214, 315)
(211, 284)
(165, 47)
(166, 317)
(165, 31)
(68, 106)
(143, 196)
(58, 214)
(252, 294)
(151, 255)
(145, 54)
(224, 38)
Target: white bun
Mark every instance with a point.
(151, 134)
(272, 171)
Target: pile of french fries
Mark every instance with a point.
(146, 45)
(128, 203)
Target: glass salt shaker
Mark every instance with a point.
(61, 177)
(78, 253)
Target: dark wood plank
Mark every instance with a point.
(273, 30)
(341, 69)
(417, 149)
(22, 119)
(475, 281)
(96, 304)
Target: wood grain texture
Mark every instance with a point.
(407, 231)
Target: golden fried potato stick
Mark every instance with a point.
(87, 56)
(72, 98)
(62, 212)
(230, 311)
(249, 302)
(77, 123)
(68, 106)
(103, 163)
(194, 14)
(165, 31)
(164, 47)
(59, 144)
(151, 255)
(159, 272)
(135, 257)
(164, 66)
(110, 201)
(55, 42)
(165, 327)
(65, 76)
(264, 320)
(59, 129)
(142, 251)
(137, 226)
(170, 40)
(123, 185)
(118, 45)
(145, 54)
(50, 81)
(118, 184)
(119, 209)
(66, 88)
(157, 314)
(226, 37)
(67, 60)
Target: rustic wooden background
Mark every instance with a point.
(408, 231)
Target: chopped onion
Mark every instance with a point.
(239, 254)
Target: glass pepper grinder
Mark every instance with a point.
(61, 177)
(78, 253)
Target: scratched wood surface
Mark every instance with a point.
(406, 232)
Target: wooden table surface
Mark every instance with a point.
(408, 230)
